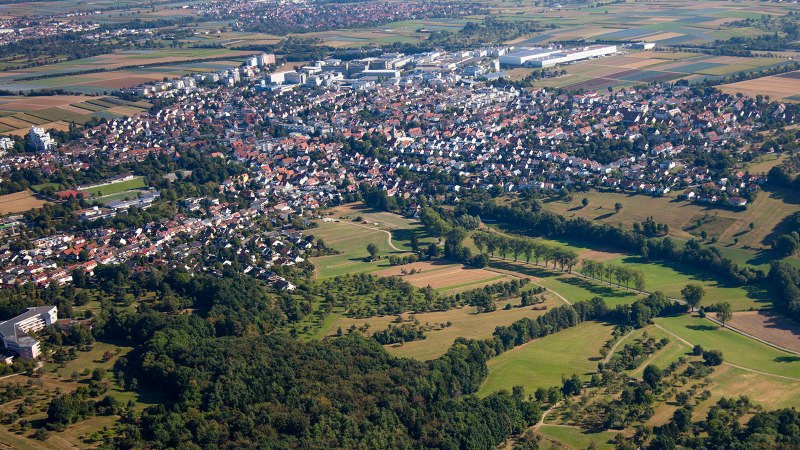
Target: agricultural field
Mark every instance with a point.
(631, 68)
(443, 277)
(770, 326)
(18, 114)
(542, 362)
(118, 70)
(465, 322)
(784, 87)
(19, 202)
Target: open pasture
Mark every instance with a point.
(767, 213)
(19, 202)
(542, 362)
(738, 350)
(574, 438)
(465, 322)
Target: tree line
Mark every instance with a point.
(551, 224)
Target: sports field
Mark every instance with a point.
(542, 362)
(115, 188)
(19, 202)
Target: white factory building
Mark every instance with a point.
(548, 57)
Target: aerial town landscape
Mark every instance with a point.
(382, 224)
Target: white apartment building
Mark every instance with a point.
(15, 332)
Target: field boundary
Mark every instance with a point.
(678, 300)
(725, 362)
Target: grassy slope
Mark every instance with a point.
(736, 348)
(542, 362)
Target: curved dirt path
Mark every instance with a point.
(617, 344)
(388, 234)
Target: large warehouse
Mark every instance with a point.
(548, 57)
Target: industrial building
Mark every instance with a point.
(548, 57)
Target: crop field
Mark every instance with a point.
(102, 83)
(18, 114)
(783, 87)
(19, 202)
(737, 349)
(770, 326)
(542, 362)
(632, 68)
(444, 277)
(668, 22)
(465, 322)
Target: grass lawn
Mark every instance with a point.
(573, 437)
(736, 349)
(542, 362)
(116, 188)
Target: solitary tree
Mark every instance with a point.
(373, 251)
(617, 207)
(724, 313)
(585, 202)
(693, 293)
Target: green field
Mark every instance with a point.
(663, 276)
(573, 437)
(343, 233)
(542, 362)
(116, 188)
(573, 288)
(737, 349)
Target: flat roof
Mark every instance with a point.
(7, 327)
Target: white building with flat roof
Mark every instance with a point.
(15, 332)
(548, 57)
(40, 139)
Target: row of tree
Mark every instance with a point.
(561, 257)
(604, 271)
